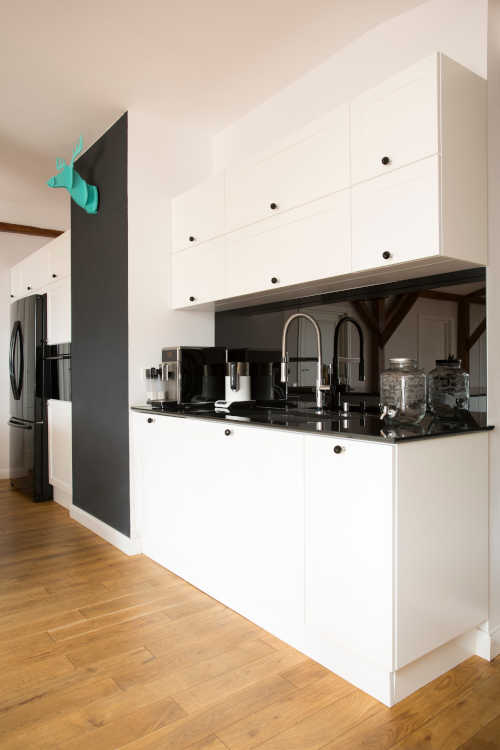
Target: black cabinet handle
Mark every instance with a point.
(192, 299)
(227, 432)
(11, 295)
(54, 275)
(150, 420)
(273, 206)
(386, 255)
(385, 160)
(274, 280)
(28, 288)
(191, 238)
(337, 449)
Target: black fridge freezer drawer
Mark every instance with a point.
(28, 459)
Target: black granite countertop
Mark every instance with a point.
(356, 425)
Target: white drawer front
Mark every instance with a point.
(198, 215)
(305, 171)
(397, 120)
(198, 273)
(396, 214)
(307, 245)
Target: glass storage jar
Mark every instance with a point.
(403, 392)
(448, 389)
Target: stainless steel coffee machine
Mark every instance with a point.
(193, 375)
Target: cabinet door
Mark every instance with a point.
(349, 522)
(59, 311)
(396, 218)
(312, 168)
(198, 274)
(312, 242)
(35, 271)
(198, 215)
(396, 121)
(225, 512)
(60, 256)
(60, 454)
(17, 286)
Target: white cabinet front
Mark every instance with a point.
(198, 274)
(60, 256)
(312, 242)
(223, 508)
(199, 214)
(310, 169)
(396, 123)
(36, 271)
(396, 218)
(60, 446)
(59, 311)
(348, 577)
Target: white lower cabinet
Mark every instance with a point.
(60, 449)
(225, 512)
(365, 556)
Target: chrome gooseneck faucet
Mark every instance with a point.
(335, 363)
(320, 388)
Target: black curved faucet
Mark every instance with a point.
(335, 363)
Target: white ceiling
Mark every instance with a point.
(68, 68)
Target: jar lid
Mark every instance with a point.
(450, 362)
(403, 361)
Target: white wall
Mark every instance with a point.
(493, 306)
(13, 248)
(456, 27)
(162, 162)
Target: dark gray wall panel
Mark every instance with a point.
(99, 288)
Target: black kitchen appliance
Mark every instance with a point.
(264, 371)
(28, 419)
(58, 372)
(194, 374)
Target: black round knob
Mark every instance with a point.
(150, 419)
(386, 255)
(28, 288)
(191, 299)
(191, 238)
(385, 160)
(227, 432)
(54, 275)
(337, 449)
(11, 295)
(274, 280)
(273, 206)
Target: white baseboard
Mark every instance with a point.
(488, 642)
(62, 496)
(114, 537)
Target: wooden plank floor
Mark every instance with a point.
(99, 650)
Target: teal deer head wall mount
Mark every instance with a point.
(83, 194)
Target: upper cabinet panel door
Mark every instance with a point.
(312, 242)
(36, 271)
(17, 286)
(309, 169)
(60, 256)
(396, 123)
(396, 218)
(198, 215)
(198, 274)
(59, 311)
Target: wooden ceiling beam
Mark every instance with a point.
(443, 296)
(475, 335)
(399, 314)
(32, 231)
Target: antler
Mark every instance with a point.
(60, 163)
(77, 149)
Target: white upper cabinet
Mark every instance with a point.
(409, 154)
(35, 271)
(198, 274)
(59, 311)
(198, 214)
(272, 254)
(295, 174)
(60, 256)
(396, 123)
(396, 218)
(17, 288)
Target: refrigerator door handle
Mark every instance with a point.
(16, 379)
(21, 425)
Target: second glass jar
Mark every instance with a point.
(403, 392)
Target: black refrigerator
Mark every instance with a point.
(28, 435)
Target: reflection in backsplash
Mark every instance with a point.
(423, 324)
